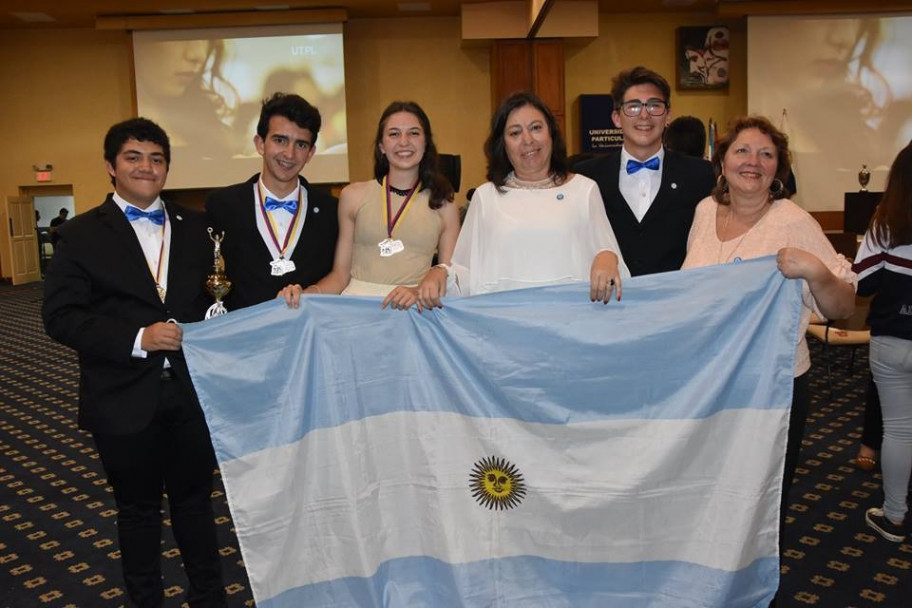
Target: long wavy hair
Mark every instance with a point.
(441, 191)
(499, 165)
(891, 225)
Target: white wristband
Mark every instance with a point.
(447, 267)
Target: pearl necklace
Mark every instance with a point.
(512, 181)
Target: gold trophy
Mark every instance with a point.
(864, 176)
(217, 284)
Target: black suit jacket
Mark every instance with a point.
(98, 293)
(247, 257)
(659, 242)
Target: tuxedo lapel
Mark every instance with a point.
(136, 269)
(612, 176)
(177, 266)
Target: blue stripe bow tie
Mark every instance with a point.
(634, 165)
(157, 217)
(272, 204)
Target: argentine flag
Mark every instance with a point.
(519, 449)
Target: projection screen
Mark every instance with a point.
(205, 88)
(846, 86)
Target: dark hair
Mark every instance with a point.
(499, 165)
(429, 173)
(64, 210)
(634, 76)
(293, 107)
(780, 141)
(140, 129)
(687, 135)
(891, 225)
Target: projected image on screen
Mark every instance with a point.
(205, 88)
(847, 89)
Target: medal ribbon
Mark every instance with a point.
(270, 225)
(161, 257)
(392, 220)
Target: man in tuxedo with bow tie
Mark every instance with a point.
(123, 277)
(650, 193)
(279, 230)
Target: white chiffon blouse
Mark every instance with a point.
(529, 238)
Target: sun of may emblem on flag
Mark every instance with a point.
(497, 484)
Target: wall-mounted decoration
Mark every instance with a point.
(702, 57)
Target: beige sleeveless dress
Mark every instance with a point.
(418, 229)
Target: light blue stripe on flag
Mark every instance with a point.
(649, 434)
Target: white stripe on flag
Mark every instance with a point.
(678, 490)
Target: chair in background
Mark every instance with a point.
(451, 167)
(852, 333)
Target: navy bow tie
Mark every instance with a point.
(272, 204)
(634, 165)
(157, 217)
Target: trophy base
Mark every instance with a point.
(216, 310)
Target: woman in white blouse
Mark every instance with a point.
(533, 223)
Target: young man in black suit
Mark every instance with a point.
(650, 193)
(279, 231)
(123, 278)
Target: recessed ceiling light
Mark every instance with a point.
(414, 6)
(33, 17)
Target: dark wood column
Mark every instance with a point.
(529, 65)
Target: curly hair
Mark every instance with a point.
(780, 141)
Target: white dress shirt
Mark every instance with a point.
(640, 188)
(281, 219)
(150, 237)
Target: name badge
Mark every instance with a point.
(281, 266)
(390, 247)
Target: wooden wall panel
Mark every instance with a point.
(530, 65)
(511, 69)
(548, 77)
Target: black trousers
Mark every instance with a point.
(801, 401)
(174, 455)
(872, 435)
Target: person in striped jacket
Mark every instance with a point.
(884, 268)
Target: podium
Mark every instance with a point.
(858, 207)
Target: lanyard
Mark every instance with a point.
(393, 220)
(270, 225)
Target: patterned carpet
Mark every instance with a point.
(58, 545)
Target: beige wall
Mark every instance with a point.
(64, 88)
(423, 60)
(628, 40)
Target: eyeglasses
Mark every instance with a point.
(654, 107)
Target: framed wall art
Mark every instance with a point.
(702, 57)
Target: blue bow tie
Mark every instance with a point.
(134, 213)
(634, 165)
(272, 204)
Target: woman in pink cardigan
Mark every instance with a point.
(748, 215)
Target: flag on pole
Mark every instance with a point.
(711, 149)
(524, 448)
